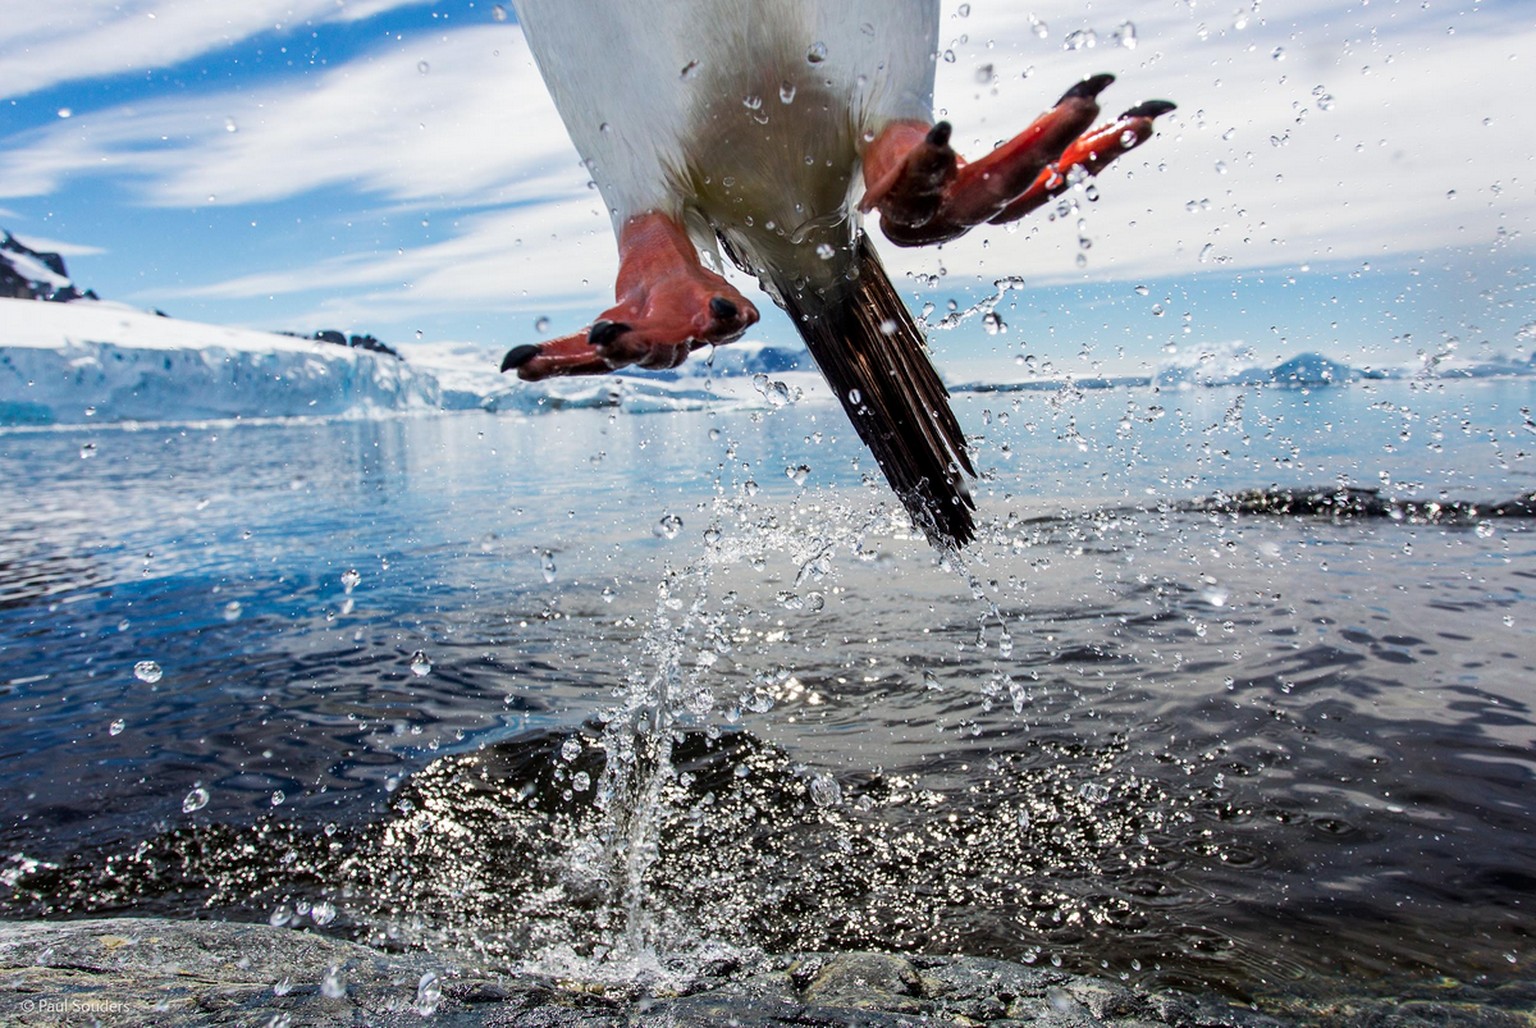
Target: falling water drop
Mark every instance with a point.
(148, 671)
(499, 13)
(429, 993)
(423, 67)
(421, 664)
(230, 126)
(817, 53)
(333, 985)
(993, 323)
(825, 790)
(197, 799)
(541, 325)
(547, 565)
(350, 578)
(116, 727)
(667, 527)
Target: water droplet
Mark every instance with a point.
(690, 69)
(65, 112)
(824, 790)
(230, 126)
(787, 93)
(333, 985)
(993, 323)
(581, 781)
(116, 727)
(498, 13)
(752, 101)
(281, 915)
(547, 565)
(1278, 53)
(423, 67)
(570, 749)
(1080, 39)
(233, 610)
(148, 671)
(749, 487)
(798, 473)
(1038, 27)
(87, 451)
(197, 799)
(429, 993)
(855, 397)
(1142, 290)
(817, 53)
(421, 665)
(985, 74)
(825, 251)
(323, 913)
(667, 527)
(1125, 35)
(888, 327)
(278, 797)
(815, 601)
(964, 11)
(541, 325)
(350, 578)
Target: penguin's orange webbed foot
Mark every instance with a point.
(667, 305)
(926, 193)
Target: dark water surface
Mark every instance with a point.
(1187, 747)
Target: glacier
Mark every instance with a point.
(95, 362)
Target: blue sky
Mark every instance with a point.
(1353, 177)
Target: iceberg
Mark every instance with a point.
(96, 361)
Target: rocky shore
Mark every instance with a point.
(135, 971)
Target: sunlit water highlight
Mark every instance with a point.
(1181, 746)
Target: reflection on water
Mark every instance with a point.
(1185, 746)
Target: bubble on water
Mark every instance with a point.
(570, 749)
(667, 527)
(197, 799)
(332, 984)
(429, 993)
(350, 578)
(547, 565)
(148, 671)
(993, 323)
(421, 664)
(824, 790)
(817, 53)
(116, 727)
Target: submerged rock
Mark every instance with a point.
(132, 971)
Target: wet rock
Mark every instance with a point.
(133, 971)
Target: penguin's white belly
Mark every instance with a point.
(749, 113)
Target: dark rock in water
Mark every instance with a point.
(133, 971)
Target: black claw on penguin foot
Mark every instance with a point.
(1150, 109)
(1089, 88)
(604, 332)
(518, 356)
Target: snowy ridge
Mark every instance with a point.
(66, 363)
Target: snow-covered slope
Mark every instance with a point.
(64, 363)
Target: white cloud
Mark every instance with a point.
(44, 43)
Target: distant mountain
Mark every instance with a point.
(28, 274)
